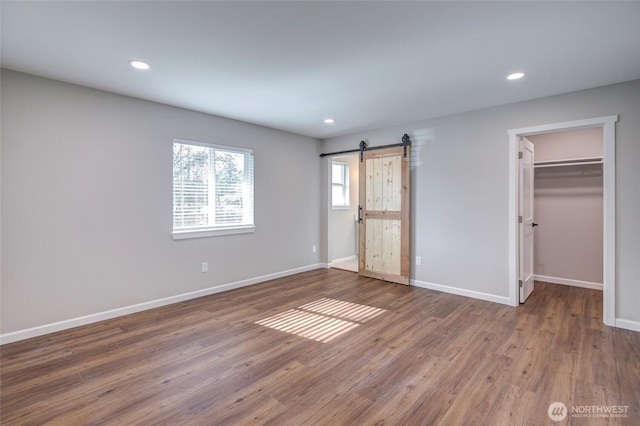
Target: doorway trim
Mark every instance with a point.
(609, 205)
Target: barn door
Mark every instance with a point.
(384, 214)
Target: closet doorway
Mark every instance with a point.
(568, 207)
(595, 164)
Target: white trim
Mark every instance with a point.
(568, 281)
(461, 292)
(183, 235)
(565, 125)
(113, 313)
(609, 220)
(514, 290)
(343, 259)
(609, 193)
(214, 146)
(628, 324)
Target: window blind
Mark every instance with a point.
(212, 186)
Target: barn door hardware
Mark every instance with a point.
(406, 141)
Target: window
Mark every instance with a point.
(212, 190)
(339, 185)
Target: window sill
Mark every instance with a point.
(201, 233)
(340, 207)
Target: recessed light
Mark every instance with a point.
(139, 65)
(329, 121)
(515, 76)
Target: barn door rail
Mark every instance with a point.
(406, 141)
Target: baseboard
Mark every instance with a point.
(627, 324)
(567, 281)
(462, 292)
(343, 259)
(113, 313)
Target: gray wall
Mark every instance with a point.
(578, 143)
(86, 203)
(568, 206)
(460, 187)
(86, 198)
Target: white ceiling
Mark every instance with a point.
(289, 65)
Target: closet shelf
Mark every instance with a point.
(568, 162)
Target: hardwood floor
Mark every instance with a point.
(422, 357)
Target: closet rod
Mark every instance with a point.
(569, 162)
(576, 163)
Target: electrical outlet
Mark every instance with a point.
(313, 248)
(205, 266)
(418, 260)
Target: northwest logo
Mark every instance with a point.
(557, 411)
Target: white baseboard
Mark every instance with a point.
(113, 313)
(627, 324)
(567, 281)
(462, 292)
(343, 259)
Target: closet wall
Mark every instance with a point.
(568, 207)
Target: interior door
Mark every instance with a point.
(384, 214)
(526, 219)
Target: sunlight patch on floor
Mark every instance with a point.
(322, 320)
(351, 265)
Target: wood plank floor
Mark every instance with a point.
(355, 351)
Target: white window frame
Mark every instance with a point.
(218, 230)
(344, 186)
